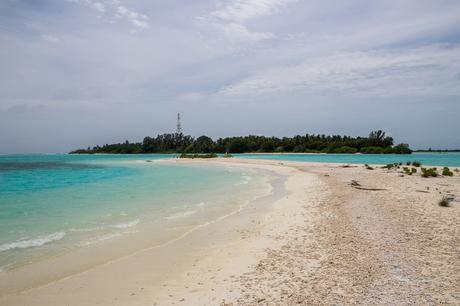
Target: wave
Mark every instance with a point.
(100, 239)
(245, 180)
(181, 214)
(127, 224)
(88, 229)
(30, 243)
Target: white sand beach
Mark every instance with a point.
(316, 239)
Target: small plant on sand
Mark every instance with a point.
(446, 172)
(407, 171)
(192, 156)
(429, 172)
(227, 155)
(408, 163)
(391, 166)
(416, 163)
(445, 201)
(368, 167)
(414, 170)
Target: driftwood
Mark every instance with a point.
(357, 185)
(371, 189)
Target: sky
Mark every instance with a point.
(79, 73)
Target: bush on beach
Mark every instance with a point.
(446, 172)
(429, 172)
(210, 155)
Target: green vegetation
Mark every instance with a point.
(376, 143)
(208, 155)
(391, 166)
(409, 171)
(429, 172)
(438, 151)
(416, 163)
(446, 172)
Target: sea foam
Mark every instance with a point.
(30, 243)
(127, 224)
(181, 214)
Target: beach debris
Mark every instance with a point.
(368, 167)
(445, 201)
(148, 161)
(354, 183)
(423, 191)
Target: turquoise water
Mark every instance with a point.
(432, 159)
(50, 204)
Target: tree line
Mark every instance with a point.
(376, 143)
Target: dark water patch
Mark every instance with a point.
(18, 166)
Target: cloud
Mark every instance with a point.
(241, 10)
(229, 21)
(405, 72)
(113, 11)
(98, 6)
(50, 38)
(137, 19)
(282, 61)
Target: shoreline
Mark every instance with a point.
(320, 242)
(35, 269)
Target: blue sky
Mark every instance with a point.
(77, 73)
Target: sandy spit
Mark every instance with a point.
(332, 235)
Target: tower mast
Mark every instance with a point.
(178, 126)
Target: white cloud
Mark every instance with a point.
(406, 72)
(98, 6)
(113, 10)
(242, 10)
(137, 19)
(50, 38)
(229, 21)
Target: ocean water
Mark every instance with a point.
(53, 204)
(432, 159)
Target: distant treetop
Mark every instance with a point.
(376, 143)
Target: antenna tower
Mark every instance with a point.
(178, 126)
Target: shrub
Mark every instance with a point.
(430, 172)
(368, 167)
(372, 150)
(402, 148)
(227, 155)
(446, 172)
(408, 163)
(416, 163)
(210, 155)
(445, 201)
(345, 150)
(390, 166)
(414, 170)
